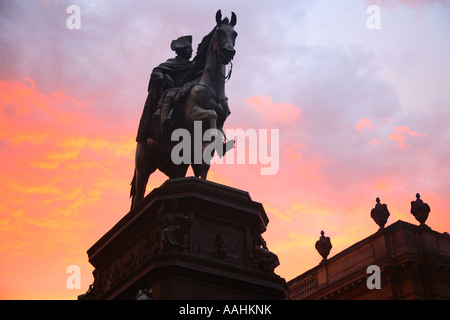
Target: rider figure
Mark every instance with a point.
(167, 75)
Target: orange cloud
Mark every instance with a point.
(117, 145)
(281, 112)
(30, 116)
(306, 164)
(381, 184)
(57, 179)
(400, 135)
(22, 99)
(364, 123)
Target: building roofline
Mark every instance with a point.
(400, 224)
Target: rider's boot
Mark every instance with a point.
(166, 119)
(227, 146)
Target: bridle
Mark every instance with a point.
(228, 76)
(219, 53)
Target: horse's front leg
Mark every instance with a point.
(200, 114)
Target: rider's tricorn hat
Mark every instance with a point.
(181, 42)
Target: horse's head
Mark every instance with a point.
(225, 37)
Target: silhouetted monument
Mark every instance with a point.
(182, 92)
(190, 238)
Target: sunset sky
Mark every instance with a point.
(361, 113)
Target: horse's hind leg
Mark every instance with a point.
(145, 166)
(204, 170)
(141, 185)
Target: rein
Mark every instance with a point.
(228, 76)
(212, 92)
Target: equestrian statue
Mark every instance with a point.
(180, 93)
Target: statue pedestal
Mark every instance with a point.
(188, 239)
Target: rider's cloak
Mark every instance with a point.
(176, 69)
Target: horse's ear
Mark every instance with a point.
(218, 16)
(233, 19)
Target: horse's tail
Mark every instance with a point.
(133, 185)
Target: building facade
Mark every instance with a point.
(400, 262)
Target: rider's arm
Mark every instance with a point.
(159, 76)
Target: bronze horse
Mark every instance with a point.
(202, 98)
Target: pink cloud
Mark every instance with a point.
(57, 170)
(281, 112)
(66, 164)
(407, 3)
(364, 123)
(23, 104)
(400, 135)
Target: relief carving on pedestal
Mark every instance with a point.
(175, 227)
(172, 232)
(214, 239)
(260, 256)
(219, 251)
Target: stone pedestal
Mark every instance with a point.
(188, 239)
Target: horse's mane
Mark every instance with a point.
(200, 58)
